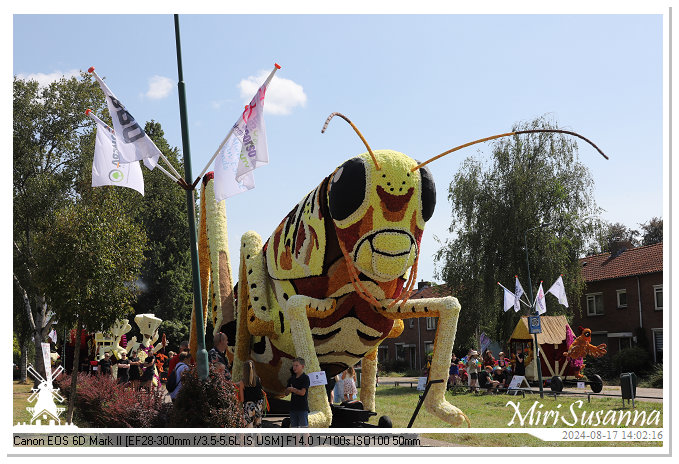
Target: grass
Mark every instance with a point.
(21, 394)
(491, 411)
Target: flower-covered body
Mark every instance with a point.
(330, 283)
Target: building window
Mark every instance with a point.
(382, 353)
(595, 304)
(657, 345)
(599, 337)
(400, 352)
(428, 347)
(624, 343)
(622, 298)
(657, 291)
(431, 323)
(411, 322)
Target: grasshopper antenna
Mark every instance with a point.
(325, 126)
(531, 131)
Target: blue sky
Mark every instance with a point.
(419, 84)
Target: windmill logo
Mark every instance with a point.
(45, 409)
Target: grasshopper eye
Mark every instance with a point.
(428, 193)
(347, 189)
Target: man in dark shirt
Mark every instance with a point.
(298, 387)
(123, 368)
(105, 364)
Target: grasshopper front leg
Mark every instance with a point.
(298, 309)
(448, 310)
(368, 378)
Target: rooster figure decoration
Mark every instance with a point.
(582, 346)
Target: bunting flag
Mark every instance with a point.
(133, 143)
(244, 149)
(107, 168)
(518, 291)
(509, 299)
(540, 303)
(559, 291)
(226, 167)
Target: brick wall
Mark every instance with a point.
(617, 320)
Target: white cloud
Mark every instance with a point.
(45, 79)
(282, 95)
(159, 87)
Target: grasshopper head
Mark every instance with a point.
(379, 213)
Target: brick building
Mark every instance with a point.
(418, 334)
(623, 299)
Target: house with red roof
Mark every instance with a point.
(623, 299)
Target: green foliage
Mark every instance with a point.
(50, 133)
(90, 260)
(655, 378)
(613, 237)
(533, 180)
(632, 359)
(215, 399)
(652, 231)
(166, 277)
(175, 331)
(602, 366)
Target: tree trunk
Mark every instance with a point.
(74, 373)
(39, 364)
(23, 361)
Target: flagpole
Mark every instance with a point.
(209, 163)
(530, 289)
(201, 356)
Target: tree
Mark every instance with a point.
(89, 261)
(50, 132)
(166, 278)
(652, 231)
(535, 180)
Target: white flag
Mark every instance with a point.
(540, 303)
(251, 131)
(518, 291)
(133, 143)
(559, 291)
(226, 166)
(508, 299)
(244, 149)
(106, 166)
(53, 336)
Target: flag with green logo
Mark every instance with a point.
(107, 168)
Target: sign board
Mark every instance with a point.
(518, 381)
(421, 383)
(534, 325)
(317, 378)
(581, 385)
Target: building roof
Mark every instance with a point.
(553, 330)
(633, 262)
(431, 291)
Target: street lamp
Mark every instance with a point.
(530, 289)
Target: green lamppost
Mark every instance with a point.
(201, 356)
